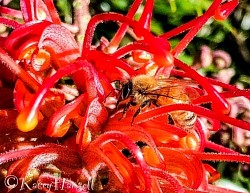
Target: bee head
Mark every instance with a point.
(126, 90)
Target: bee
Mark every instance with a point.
(145, 90)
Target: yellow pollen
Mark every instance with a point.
(25, 122)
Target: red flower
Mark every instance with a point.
(97, 136)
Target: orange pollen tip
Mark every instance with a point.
(26, 121)
(189, 142)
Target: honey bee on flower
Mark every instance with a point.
(65, 124)
(144, 90)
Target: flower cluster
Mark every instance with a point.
(73, 124)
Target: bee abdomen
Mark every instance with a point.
(184, 119)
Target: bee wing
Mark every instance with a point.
(176, 82)
(176, 89)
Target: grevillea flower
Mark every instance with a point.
(74, 128)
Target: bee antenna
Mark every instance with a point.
(108, 95)
(115, 84)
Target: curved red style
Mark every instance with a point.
(79, 132)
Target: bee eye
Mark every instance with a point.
(127, 90)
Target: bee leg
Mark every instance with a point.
(117, 103)
(144, 104)
(126, 108)
(154, 102)
(170, 119)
